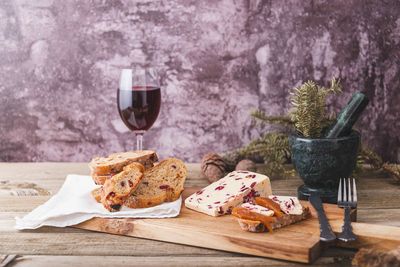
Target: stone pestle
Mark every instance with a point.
(348, 116)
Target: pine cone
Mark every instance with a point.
(246, 165)
(213, 167)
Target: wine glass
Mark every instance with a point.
(139, 100)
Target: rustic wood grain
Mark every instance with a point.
(298, 242)
(67, 245)
(107, 261)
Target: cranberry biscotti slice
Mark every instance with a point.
(103, 168)
(120, 186)
(162, 183)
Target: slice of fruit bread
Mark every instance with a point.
(161, 183)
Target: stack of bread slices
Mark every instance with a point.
(135, 179)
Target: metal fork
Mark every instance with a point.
(347, 199)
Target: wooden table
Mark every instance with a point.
(48, 246)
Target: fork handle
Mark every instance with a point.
(347, 234)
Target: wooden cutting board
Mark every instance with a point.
(298, 242)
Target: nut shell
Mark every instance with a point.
(246, 165)
(213, 167)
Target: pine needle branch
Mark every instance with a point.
(368, 156)
(264, 118)
(309, 107)
(392, 169)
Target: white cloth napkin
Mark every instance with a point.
(74, 204)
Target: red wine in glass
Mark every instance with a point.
(139, 100)
(139, 107)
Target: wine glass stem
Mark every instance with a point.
(139, 140)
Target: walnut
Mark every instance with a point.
(246, 165)
(213, 167)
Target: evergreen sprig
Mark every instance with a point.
(264, 118)
(272, 148)
(371, 158)
(392, 169)
(309, 107)
(368, 156)
(273, 145)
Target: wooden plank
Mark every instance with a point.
(223, 233)
(65, 241)
(390, 217)
(21, 203)
(197, 229)
(205, 233)
(375, 192)
(71, 241)
(370, 235)
(107, 261)
(193, 228)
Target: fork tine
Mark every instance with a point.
(340, 199)
(345, 199)
(354, 191)
(351, 195)
(348, 188)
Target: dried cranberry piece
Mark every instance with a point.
(219, 187)
(173, 166)
(164, 186)
(253, 184)
(112, 194)
(199, 192)
(220, 210)
(217, 202)
(130, 183)
(274, 198)
(115, 207)
(250, 196)
(122, 183)
(229, 210)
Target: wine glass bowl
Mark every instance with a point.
(139, 100)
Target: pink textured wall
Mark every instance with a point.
(60, 63)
